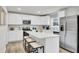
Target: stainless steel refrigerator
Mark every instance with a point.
(69, 36)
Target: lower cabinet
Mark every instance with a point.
(52, 45)
(15, 35)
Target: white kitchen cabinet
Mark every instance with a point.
(45, 20)
(35, 20)
(40, 20)
(25, 17)
(15, 35)
(14, 18)
(52, 45)
(18, 19)
(61, 13)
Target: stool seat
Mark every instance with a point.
(25, 37)
(29, 40)
(35, 45)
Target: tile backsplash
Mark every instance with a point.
(37, 28)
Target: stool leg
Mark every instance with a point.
(33, 51)
(43, 49)
(24, 45)
(37, 50)
(28, 48)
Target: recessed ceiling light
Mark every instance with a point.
(19, 9)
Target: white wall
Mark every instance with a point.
(74, 10)
(3, 34)
(3, 38)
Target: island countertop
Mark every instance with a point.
(42, 35)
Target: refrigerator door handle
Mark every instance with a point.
(65, 29)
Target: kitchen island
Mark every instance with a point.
(48, 39)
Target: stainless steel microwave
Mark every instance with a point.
(27, 22)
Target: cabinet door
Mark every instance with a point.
(52, 45)
(25, 17)
(40, 20)
(14, 18)
(61, 13)
(15, 35)
(44, 20)
(34, 20)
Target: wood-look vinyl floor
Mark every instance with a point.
(17, 47)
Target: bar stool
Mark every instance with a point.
(27, 41)
(35, 46)
(24, 41)
(25, 37)
(30, 40)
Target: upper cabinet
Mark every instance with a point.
(14, 19)
(45, 20)
(35, 20)
(39, 20)
(2, 16)
(61, 13)
(24, 17)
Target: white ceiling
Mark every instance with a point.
(36, 10)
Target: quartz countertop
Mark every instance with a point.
(42, 35)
